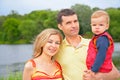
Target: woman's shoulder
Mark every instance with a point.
(58, 64)
(30, 64)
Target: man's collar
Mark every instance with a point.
(82, 43)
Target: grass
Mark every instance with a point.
(13, 76)
(18, 75)
(116, 61)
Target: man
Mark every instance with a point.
(73, 52)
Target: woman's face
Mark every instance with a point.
(52, 45)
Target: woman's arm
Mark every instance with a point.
(27, 71)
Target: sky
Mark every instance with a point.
(26, 6)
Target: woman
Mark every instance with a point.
(43, 66)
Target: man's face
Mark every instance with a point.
(69, 25)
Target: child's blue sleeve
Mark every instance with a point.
(102, 44)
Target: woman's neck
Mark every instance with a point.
(45, 59)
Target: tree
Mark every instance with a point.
(95, 9)
(28, 30)
(2, 19)
(50, 22)
(114, 28)
(14, 14)
(11, 32)
(84, 13)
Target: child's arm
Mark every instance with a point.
(102, 45)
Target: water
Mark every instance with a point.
(117, 49)
(13, 57)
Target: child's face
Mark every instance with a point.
(99, 25)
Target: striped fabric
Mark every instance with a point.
(39, 75)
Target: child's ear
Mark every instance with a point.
(107, 26)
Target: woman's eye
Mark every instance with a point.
(49, 41)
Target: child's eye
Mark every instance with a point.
(101, 24)
(93, 24)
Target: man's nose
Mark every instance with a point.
(73, 24)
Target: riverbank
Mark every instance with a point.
(18, 75)
(13, 58)
(116, 61)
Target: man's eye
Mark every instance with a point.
(76, 21)
(57, 43)
(68, 22)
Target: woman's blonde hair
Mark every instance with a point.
(100, 13)
(42, 39)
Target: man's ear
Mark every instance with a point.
(60, 26)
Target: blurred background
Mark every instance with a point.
(22, 20)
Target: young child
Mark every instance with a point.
(101, 46)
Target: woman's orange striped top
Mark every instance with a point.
(39, 75)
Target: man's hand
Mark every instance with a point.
(89, 75)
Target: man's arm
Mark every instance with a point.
(112, 75)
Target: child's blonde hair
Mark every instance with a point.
(100, 13)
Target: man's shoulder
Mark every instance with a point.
(85, 40)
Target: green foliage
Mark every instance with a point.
(84, 13)
(116, 61)
(95, 8)
(88, 35)
(28, 29)
(2, 19)
(18, 29)
(114, 23)
(51, 20)
(14, 14)
(11, 32)
(12, 76)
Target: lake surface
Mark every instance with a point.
(13, 57)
